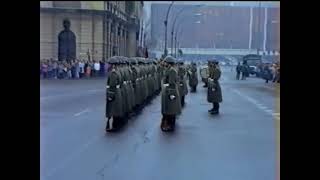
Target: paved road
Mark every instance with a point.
(238, 144)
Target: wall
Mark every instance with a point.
(87, 28)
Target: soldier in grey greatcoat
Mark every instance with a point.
(214, 95)
(183, 88)
(170, 100)
(193, 77)
(114, 107)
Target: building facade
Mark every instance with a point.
(221, 27)
(102, 28)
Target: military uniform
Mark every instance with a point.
(170, 100)
(183, 88)
(114, 106)
(193, 77)
(214, 94)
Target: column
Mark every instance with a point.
(115, 37)
(121, 40)
(125, 42)
(109, 38)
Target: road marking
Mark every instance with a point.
(66, 161)
(81, 112)
(96, 90)
(258, 105)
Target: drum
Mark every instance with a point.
(204, 73)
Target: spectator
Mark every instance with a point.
(60, 71)
(77, 69)
(55, 69)
(88, 70)
(44, 70)
(81, 66)
(267, 73)
(102, 68)
(73, 69)
(86, 67)
(96, 68)
(50, 69)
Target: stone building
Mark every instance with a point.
(102, 28)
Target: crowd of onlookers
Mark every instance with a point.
(76, 69)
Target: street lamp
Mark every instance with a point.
(174, 22)
(166, 24)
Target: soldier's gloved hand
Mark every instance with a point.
(109, 99)
(181, 84)
(172, 97)
(213, 89)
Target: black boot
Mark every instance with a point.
(215, 108)
(182, 101)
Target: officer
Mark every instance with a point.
(183, 88)
(193, 77)
(170, 100)
(214, 90)
(114, 106)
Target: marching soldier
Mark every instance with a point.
(193, 77)
(114, 106)
(214, 95)
(170, 100)
(183, 88)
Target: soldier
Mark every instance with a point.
(183, 88)
(214, 90)
(114, 107)
(128, 83)
(170, 100)
(135, 83)
(193, 77)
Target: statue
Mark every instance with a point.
(66, 43)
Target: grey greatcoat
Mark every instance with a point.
(214, 89)
(193, 76)
(114, 107)
(170, 100)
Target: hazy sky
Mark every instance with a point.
(223, 3)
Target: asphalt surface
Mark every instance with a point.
(241, 143)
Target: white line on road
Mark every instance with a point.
(81, 112)
(258, 105)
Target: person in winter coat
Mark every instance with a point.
(214, 95)
(170, 100)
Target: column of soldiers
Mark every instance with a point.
(132, 83)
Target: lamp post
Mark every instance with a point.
(172, 32)
(259, 29)
(166, 25)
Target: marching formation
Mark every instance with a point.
(133, 82)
